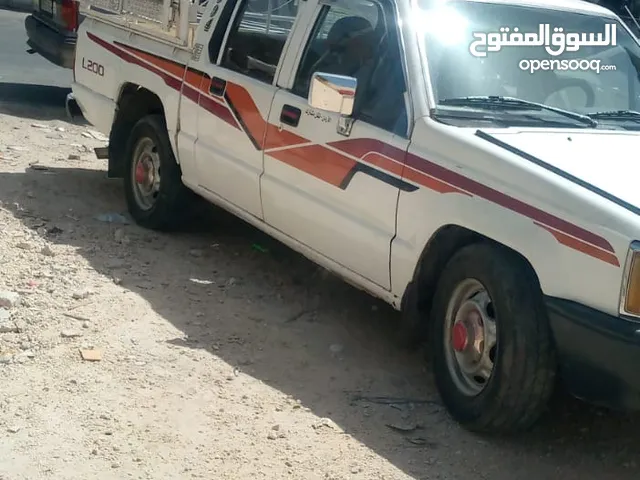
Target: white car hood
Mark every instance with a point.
(607, 160)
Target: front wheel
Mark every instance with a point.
(493, 355)
(156, 197)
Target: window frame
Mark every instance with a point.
(239, 9)
(311, 29)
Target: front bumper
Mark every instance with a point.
(599, 354)
(56, 47)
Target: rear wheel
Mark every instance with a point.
(156, 196)
(492, 348)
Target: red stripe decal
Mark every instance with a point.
(169, 80)
(506, 201)
(333, 167)
(218, 109)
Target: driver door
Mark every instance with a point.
(337, 193)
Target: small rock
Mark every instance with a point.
(60, 129)
(97, 135)
(275, 428)
(13, 429)
(24, 246)
(38, 125)
(86, 324)
(6, 358)
(272, 436)
(324, 423)
(6, 324)
(81, 295)
(120, 237)
(17, 148)
(21, 359)
(195, 252)
(9, 299)
(113, 218)
(70, 334)
(73, 156)
(47, 252)
(115, 465)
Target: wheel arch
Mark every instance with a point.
(134, 102)
(417, 298)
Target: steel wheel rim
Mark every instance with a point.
(145, 173)
(470, 337)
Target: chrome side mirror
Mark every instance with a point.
(334, 93)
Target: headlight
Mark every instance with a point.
(630, 295)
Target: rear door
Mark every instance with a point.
(338, 193)
(236, 93)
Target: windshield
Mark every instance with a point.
(582, 63)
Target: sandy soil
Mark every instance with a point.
(218, 353)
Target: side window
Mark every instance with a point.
(360, 40)
(257, 37)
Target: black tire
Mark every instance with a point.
(524, 364)
(173, 201)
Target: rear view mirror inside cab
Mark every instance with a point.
(334, 93)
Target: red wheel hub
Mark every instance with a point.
(459, 337)
(141, 173)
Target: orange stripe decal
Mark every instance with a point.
(579, 245)
(318, 161)
(248, 113)
(278, 137)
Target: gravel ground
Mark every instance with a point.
(218, 353)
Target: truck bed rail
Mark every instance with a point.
(172, 21)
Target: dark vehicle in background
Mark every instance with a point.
(51, 30)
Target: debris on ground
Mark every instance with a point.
(127, 353)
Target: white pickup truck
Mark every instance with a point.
(429, 152)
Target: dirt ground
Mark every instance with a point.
(218, 353)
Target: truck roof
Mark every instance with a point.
(578, 6)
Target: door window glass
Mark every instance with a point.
(258, 36)
(360, 40)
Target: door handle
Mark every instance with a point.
(217, 86)
(290, 115)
